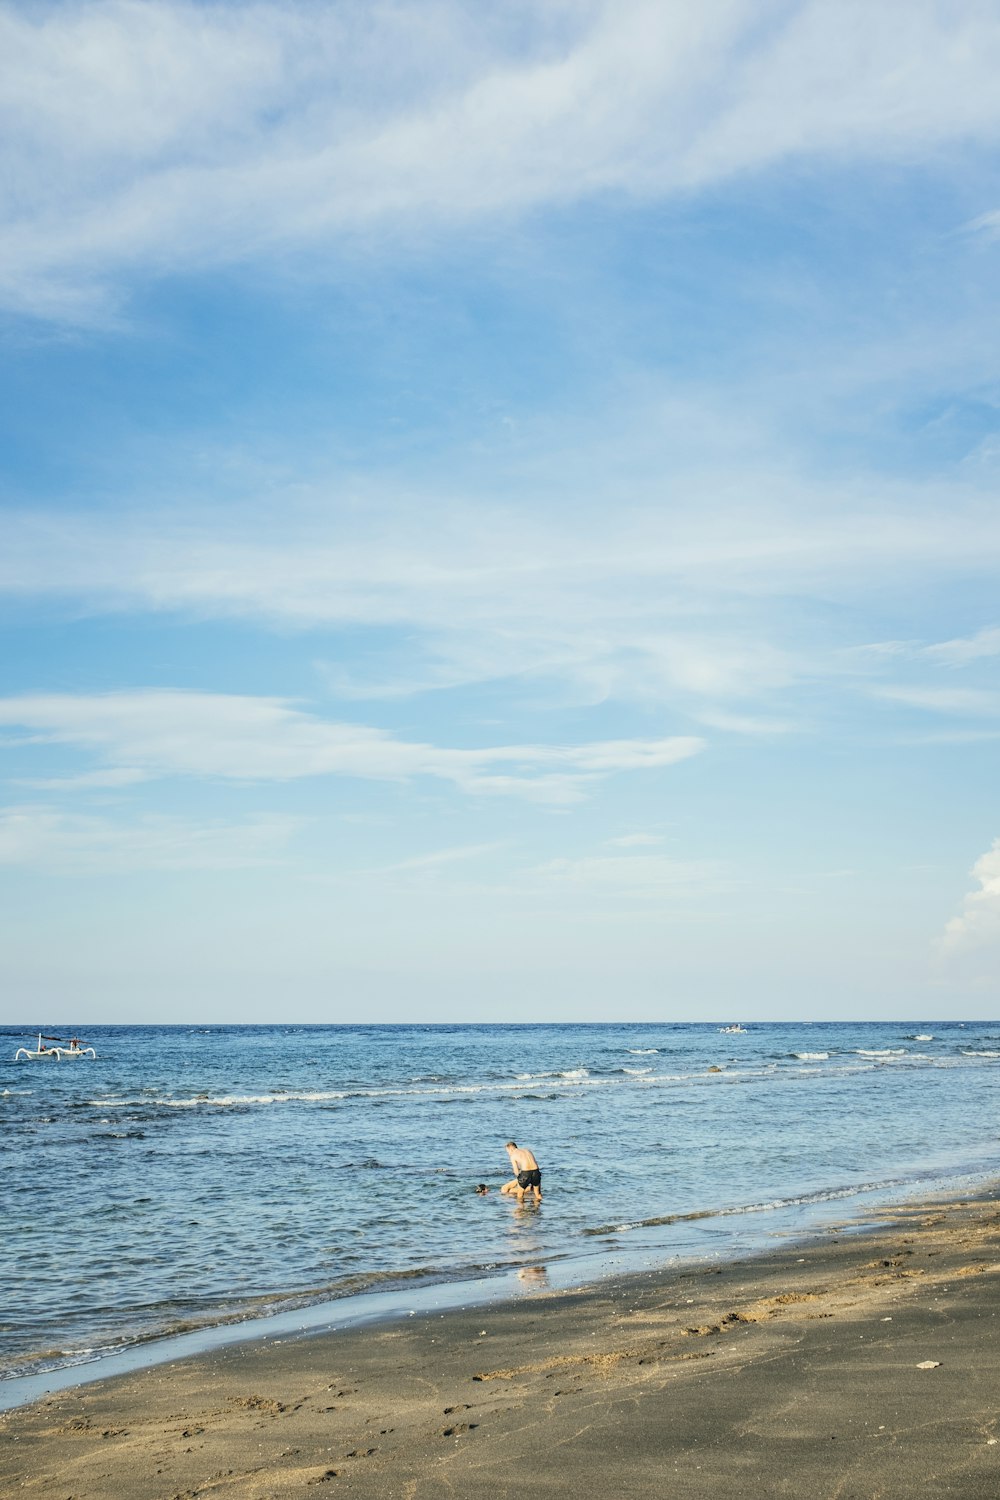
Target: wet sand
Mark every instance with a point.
(795, 1373)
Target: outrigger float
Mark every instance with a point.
(73, 1048)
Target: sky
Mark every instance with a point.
(499, 510)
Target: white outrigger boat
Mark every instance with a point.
(736, 1030)
(58, 1053)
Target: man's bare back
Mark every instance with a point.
(527, 1173)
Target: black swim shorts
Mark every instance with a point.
(529, 1179)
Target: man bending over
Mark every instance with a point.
(527, 1173)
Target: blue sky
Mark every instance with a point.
(499, 510)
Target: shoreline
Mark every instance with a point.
(752, 1231)
(175, 1238)
(815, 1345)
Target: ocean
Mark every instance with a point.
(190, 1177)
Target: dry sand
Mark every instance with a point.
(802, 1372)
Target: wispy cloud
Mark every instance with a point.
(643, 876)
(968, 702)
(46, 838)
(636, 840)
(958, 653)
(987, 224)
(241, 738)
(113, 779)
(442, 857)
(674, 594)
(165, 136)
(413, 558)
(746, 724)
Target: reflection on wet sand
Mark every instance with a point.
(523, 1229)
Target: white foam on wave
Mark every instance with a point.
(726, 1211)
(922, 1036)
(821, 1195)
(221, 1101)
(567, 1078)
(577, 1077)
(570, 1073)
(317, 1097)
(652, 1077)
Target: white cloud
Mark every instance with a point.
(649, 876)
(244, 738)
(878, 651)
(978, 923)
(987, 224)
(950, 737)
(958, 653)
(745, 724)
(441, 857)
(974, 702)
(635, 840)
(163, 136)
(695, 589)
(39, 837)
(97, 781)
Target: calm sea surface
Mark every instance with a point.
(187, 1177)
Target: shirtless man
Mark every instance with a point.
(527, 1173)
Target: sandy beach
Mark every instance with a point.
(860, 1364)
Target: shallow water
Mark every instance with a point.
(189, 1176)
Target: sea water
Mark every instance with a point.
(193, 1176)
